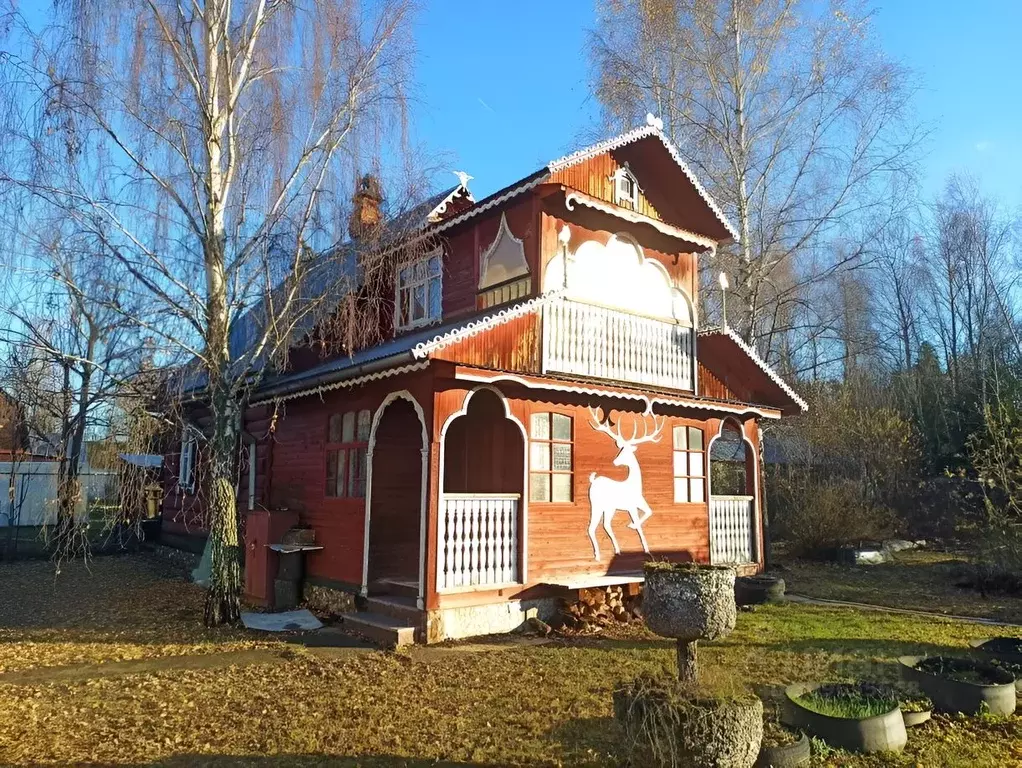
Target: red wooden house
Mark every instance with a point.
(545, 415)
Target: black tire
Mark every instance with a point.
(788, 756)
(755, 590)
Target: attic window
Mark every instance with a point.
(503, 269)
(626, 188)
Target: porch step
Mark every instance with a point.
(385, 630)
(396, 587)
(396, 607)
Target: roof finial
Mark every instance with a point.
(654, 121)
(463, 178)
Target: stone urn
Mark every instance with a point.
(689, 602)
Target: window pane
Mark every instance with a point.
(680, 464)
(695, 439)
(331, 473)
(419, 302)
(419, 269)
(562, 457)
(436, 299)
(405, 277)
(364, 419)
(405, 312)
(695, 464)
(539, 487)
(680, 443)
(696, 489)
(540, 426)
(539, 456)
(434, 265)
(680, 490)
(335, 429)
(561, 488)
(562, 426)
(357, 473)
(348, 428)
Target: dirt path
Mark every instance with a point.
(796, 598)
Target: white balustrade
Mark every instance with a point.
(601, 343)
(477, 545)
(732, 529)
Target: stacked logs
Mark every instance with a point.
(598, 607)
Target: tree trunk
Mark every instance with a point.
(687, 672)
(223, 597)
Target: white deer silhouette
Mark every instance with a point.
(607, 496)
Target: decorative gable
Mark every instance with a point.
(504, 260)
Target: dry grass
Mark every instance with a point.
(541, 705)
(920, 580)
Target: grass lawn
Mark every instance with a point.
(532, 705)
(920, 580)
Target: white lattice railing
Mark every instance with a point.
(478, 540)
(601, 343)
(732, 525)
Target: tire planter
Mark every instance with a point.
(881, 733)
(959, 696)
(912, 719)
(723, 733)
(755, 590)
(787, 756)
(1005, 649)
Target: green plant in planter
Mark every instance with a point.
(689, 602)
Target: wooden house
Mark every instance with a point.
(541, 417)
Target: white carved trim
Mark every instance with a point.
(524, 537)
(423, 349)
(503, 232)
(759, 361)
(705, 405)
(573, 197)
(353, 382)
(757, 522)
(403, 394)
(630, 137)
(435, 215)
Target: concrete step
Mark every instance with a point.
(385, 630)
(401, 608)
(396, 587)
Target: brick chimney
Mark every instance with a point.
(366, 216)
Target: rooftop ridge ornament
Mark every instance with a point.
(654, 121)
(463, 178)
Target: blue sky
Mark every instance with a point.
(504, 85)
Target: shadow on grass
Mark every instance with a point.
(297, 761)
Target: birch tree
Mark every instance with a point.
(206, 146)
(788, 111)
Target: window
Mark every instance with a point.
(550, 460)
(626, 188)
(419, 292)
(186, 470)
(502, 294)
(689, 466)
(347, 448)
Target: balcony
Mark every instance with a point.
(599, 343)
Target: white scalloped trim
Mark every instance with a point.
(346, 383)
(635, 135)
(759, 361)
(435, 215)
(424, 348)
(636, 218)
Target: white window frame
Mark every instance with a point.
(621, 194)
(684, 477)
(428, 280)
(186, 468)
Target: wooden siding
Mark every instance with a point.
(593, 177)
(511, 346)
(712, 386)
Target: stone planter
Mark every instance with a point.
(665, 727)
(881, 733)
(996, 697)
(689, 603)
(786, 756)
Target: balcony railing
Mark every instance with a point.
(600, 343)
(478, 540)
(732, 526)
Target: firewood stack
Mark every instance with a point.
(599, 607)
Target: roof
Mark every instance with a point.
(750, 367)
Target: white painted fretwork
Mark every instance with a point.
(596, 342)
(607, 496)
(478, 540)
(732, 521)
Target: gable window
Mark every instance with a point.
(347, 449)
(626, 188)
(186, 469)
(419, 299)
(689, 466)
(550, 458)
(503, 269)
